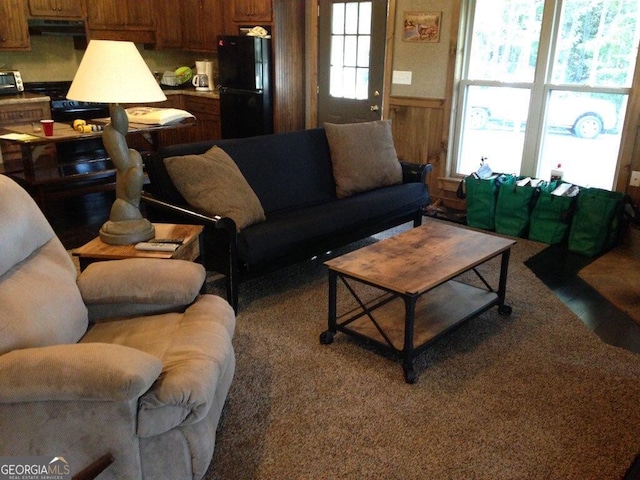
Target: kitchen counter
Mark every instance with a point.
(192, 92)
(23, 98)
(36, 97)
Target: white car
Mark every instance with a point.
(583, 115)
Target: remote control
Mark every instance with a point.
(178, 241)
(157, 247)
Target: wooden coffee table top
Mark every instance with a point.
(421, 258)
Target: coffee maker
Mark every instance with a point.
(203, 79)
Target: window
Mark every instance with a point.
(545, 82)
(350, 41)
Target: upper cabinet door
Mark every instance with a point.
(252, 11)
(55, 8)
(169, 24)
(139, 13)
(121, 20)
(202, 22)
(14, 33)
(110, 14)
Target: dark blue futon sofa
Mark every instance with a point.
(291, 174)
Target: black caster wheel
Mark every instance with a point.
(326, 338)
(504, 310)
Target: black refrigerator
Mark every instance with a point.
(246, 108)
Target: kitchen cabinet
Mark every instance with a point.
(56, 8)
(207, 112)
(202, 21)
(169, 24)
(14, 32)
(192, 25)
(121, 20)
(251, 12)
(16, 112)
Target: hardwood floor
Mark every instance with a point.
(558, 269)
(78, 220)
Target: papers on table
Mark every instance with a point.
(156, 116)
(24, 137)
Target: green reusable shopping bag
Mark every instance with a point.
(551, 215)
(597, 221)
(513, 208)
(481, 201)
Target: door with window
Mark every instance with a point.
(545, 83)
(351, 51)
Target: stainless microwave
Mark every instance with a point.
(10, 82)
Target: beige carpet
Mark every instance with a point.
(616, 275)
(531, 396)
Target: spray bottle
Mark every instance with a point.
(556, 173)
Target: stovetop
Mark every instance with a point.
(63, 109)
(57, 91)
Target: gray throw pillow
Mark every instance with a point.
(213, 183)
(363, 156)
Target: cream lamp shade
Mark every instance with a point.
(115, 73)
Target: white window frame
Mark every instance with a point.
(541, 88)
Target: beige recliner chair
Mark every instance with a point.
(127, 359)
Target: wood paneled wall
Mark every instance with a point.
(289, 62)
(418, 133)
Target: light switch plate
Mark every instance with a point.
(635, 179)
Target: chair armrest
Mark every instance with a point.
(81, 371)
(414, 172)
(141, 281)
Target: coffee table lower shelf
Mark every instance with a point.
(406, 328)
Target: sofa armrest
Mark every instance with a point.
(414, 172)
(220, 235)
(89, 371)
(188, 213)
(141, 280)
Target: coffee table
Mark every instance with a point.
(97, 250)
(416, 298)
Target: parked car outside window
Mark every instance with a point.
(581, 114)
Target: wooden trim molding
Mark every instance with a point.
(417, 102)
(629, 155)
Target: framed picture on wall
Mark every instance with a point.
(422, 27)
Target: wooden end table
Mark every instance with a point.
(97, 250)
(417, 297)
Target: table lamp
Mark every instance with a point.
(114, 72)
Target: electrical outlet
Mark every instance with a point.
(635, 179)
